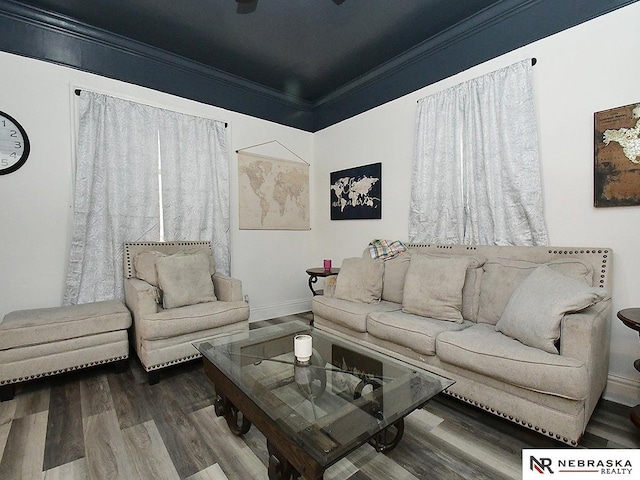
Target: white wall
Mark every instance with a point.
(36, 201)
(580, 71)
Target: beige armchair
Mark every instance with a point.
(176, 298)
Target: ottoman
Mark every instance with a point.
(47, 341)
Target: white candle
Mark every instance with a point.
(302, 347)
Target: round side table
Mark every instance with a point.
(631, 318)
(314, 273)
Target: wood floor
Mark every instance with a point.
(96, 424)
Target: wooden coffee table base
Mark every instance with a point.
(287, 460)
(279, 467)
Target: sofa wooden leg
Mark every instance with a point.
(121, 366)
(153, 377)
(7, 392)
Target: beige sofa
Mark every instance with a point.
(523, 331)
(176, 298)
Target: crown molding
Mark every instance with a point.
(490, 33)
(35, 33)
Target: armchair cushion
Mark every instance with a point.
(184, 280)
(145, 262)
(145, 265)
(535, 310)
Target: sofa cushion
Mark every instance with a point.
(352, 315)
(38, 326)
(482, 349)
(395, 271)
(412, 331)
(360, 280)
(433, 286)
(184, 280)
(192, 318)
(535, 310)
(502, 276)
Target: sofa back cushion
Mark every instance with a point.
(395, 271)
(503, 275)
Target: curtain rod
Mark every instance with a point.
(534, 60)
(77, 91)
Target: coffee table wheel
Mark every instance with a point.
(220, 405)
(374, 383)
(279, 468)
(389, 438)
(237, 422)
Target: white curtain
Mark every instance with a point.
(117, 189)
(195, 182)
(476, 173)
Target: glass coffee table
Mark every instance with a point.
(313, 413)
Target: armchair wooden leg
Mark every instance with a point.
(7, 392)
(153, 376)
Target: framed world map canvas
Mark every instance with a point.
(356, 193)
(273, 193)
(617, 157)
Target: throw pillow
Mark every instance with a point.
(433, 287)
(360, 280)
(535, 310)
(184, 280)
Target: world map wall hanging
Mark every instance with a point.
(617, 157)
(273, 193)
(356, 193)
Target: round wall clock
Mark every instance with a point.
(14, 144)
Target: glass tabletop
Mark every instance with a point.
(338, 400)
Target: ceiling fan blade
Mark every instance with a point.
(246, 6)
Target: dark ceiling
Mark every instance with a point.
(303, 63)
(305, 48)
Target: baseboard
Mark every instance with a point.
(267, 312)
(622, 390)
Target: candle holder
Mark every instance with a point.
(327, 265)
(302, 348)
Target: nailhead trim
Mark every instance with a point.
(56, 372)
(127, 246)
(593, 251)
(538, 429)
(173, 362)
